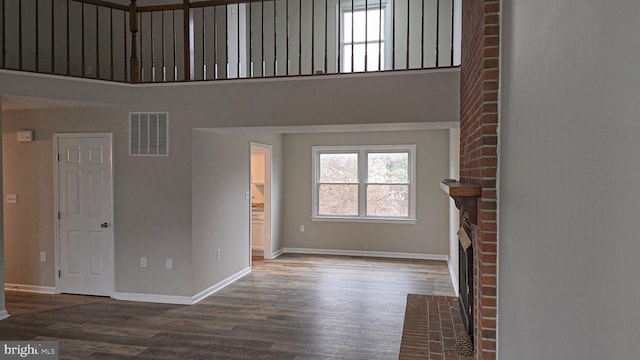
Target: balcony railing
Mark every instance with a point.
(225, 39)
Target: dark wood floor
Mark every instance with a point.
(294, 307)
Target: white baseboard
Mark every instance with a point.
(454, 281)
(277, 253)
(257, 248)
(3, 314)
(219, 286)
(30, 288)
(153, 298)
(383, 254)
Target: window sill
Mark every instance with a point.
(364, 219)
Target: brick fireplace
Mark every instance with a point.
(478, 157)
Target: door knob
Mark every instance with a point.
(104, 225)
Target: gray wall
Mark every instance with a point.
(152, 201)
(221, 214)
(428, 236)
(569, 176)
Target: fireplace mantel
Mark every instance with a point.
(465, 196)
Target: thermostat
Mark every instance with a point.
(25, 136)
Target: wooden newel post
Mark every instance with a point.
(133, 27)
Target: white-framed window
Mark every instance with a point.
(364, 183)
(364, 31)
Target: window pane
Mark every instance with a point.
(346, 20)
(338, 200)
(388, 200)
(338, 168)
(388, 168)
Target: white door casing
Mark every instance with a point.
(84, 216)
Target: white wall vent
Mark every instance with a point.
(149, 134)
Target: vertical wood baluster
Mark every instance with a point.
(20, 35)
(175, 39)
(68, 45)
(275, 37)
(238, 37)
(313, 37)
(339, 61)
(287, 24)
(453, 18)
(437, 32)
(140, 28)
(204, 46)
(215, 42)
(4, 35)
(53, 23)
(326, 31)
(186, 40)
(422, 37)
(366, 35)
(250, 62)
(393, 37)
(111, 44)
(300, 38)
(226, 41)
(380, 36)
(37, 36)
(408, 31)
(164, 58)
(124, 46)
(82, 31)
(262, 63)
(352, 38)
(133, 28)
(97, 42)
(153, 50)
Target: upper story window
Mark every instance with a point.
(364, 32)
(364, 183)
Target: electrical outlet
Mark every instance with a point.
(169, 264)
(218, 254)
(247, 195)
(301, 228)
(43, 256)
(143, 262)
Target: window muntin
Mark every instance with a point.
(364, 182)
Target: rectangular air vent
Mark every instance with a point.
(149, 134)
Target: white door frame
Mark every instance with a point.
(56, 194)
(268, 218)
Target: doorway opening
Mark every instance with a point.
(260, 171)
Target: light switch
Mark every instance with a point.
(169, 263)
(43, 256)
(247, 195)
(12, 199)
(143, 262)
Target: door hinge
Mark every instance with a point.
(58, 157)
(59, 273)
(58, 215)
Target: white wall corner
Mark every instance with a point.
(30, 288)
(3, 314)
(277, 253)
(381, 254)
(219, 286)
(454, 278)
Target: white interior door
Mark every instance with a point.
(85, 231)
